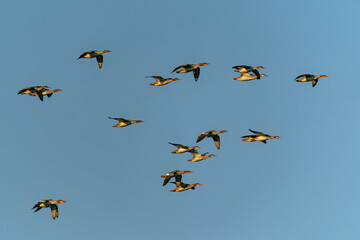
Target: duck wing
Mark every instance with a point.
(304, 75)
(99, 59)
(257, 133)
(314, 82)
(196, 72)
(256, 72)
(216, 139)
(54, 211)
(176, 145)
(201, 137)
(179, 67)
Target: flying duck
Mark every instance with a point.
(44, 92)
(160, 81)
(180, 186)
(176, 174)
(259, 136)
(213, 134)
(199, 156)
(309, 78)
(124, 122)
(246, 69)
(97, 54)
(248, 77)
(181, 148)
(49, 203)
(195, 68)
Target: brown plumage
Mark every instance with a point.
(176, 173)
(213, 134)
(195, 68)
(199, 156)
(160, 81)
(95, 54)
(180, 186)
(124, 122)
(181, 148)
(259, 136)
(49, 203)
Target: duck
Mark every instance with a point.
(199, 156)
(309, 78)
(248, 77)
(259, 136)
(195, 68)
(160, 81)
(213, 134)
(44, 92)
(176, 173)
(124, 122)
(49, 203)
(246, 69)
(180, 186)
(97, 54)
(29, 90)
(181, 148)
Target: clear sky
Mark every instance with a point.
(301, 186)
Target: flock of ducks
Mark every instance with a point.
(247, 73)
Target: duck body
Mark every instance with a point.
(259, 136)
(180, 186)
(195, 68)
(160, 81)
(49, 203)
(199, 156)
(176, 173)
(309, 78)
(45, 92)
(95, 54)
(124, 122)
(181, 148)
(29, 90)
(213, 134)
(249, 77)
(247, 69)
(39, 91)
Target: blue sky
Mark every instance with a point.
(301, 186)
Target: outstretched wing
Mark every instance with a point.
(257, 133)
(303, 75)
(256, 72)
(176, 145)
(99, 59)
(196, 72)
(54, 211)
(216, 139)
(178, 68)
(314, 82)
(201, 137)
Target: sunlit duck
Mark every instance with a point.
(213, 134)
(49, 203)
(246, 69)
(259, 136)
(33, 89)
(195, 68)
(160, 81)
(309, 78)
(96, 54)
(44, 92)
(199, 156)
(124, 122)
(180, 186)
(176, 174)
(181, 148)
(248, 77)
